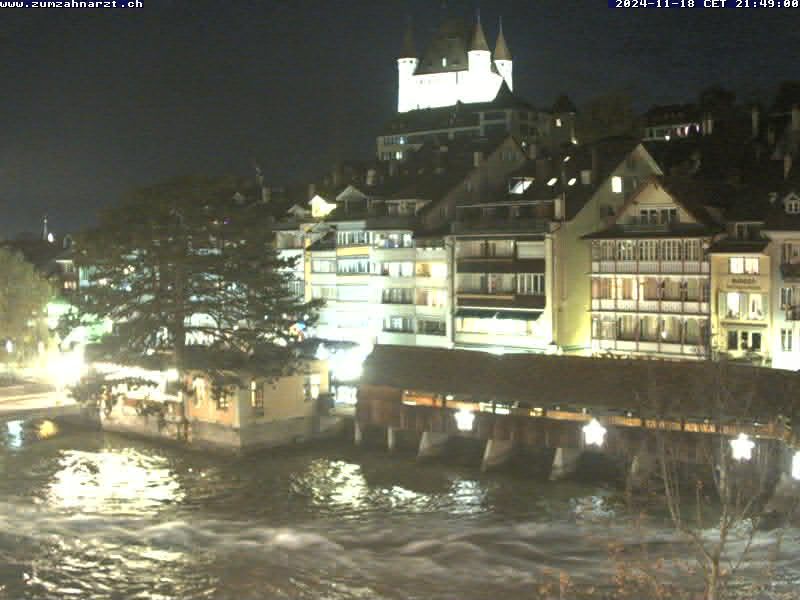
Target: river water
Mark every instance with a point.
(88, 515)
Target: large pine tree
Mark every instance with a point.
(187, 271)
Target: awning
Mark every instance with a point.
(517, 315)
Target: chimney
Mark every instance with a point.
(371, 173)
(595, 164)
(266, 194)
(533, 151)
(787, 165)
(755, 118)
(312, 190)
(795, 117)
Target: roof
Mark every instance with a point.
(545, 381)
(564, 105)
(409, 48)
(478, 39)
(733, 246)
(501, 51)
(450, 42)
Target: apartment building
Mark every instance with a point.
(651, 272)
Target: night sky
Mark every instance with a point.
(94, 103)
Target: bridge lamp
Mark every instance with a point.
(796, 465)
(594, 434)
(465, 420)
(742, 447)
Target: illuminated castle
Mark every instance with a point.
(457, 67)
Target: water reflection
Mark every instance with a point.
(113, 481)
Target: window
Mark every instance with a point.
(743, 266)
(733, 340)
(432, 298)
(393, 240)
(257, 398)
(756, 304)
(397, 296)
(626, 250)
(397, 269)
(692, 248)
(311, 385)
(530, 284)
(786, 340)
(733, 305)
(791, 252)
(444, 61)
(323, 292)
(323, 266)
(428, 327)
(656, 216)
(352, 238)
(793, 205)
(787, 297)
(671, 250)
(616, 184)
(398, 324)
(353, 266)
(558, 123)
(222, 400)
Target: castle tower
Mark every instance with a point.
(479, 55)
(503, 60)
(406, 67)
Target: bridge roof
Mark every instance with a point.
(647, 387)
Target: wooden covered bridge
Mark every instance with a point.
(573, 404)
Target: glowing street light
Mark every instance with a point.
(594, 433)
(465, 420)
(742, 447)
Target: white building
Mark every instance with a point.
(457, 67)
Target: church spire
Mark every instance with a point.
(478, 37)
(501, 51)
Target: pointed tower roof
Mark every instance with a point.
(478, 37)
(409, 48)
(501, 51)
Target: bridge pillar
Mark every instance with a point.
(496, 453)
(432, 444)
(391, 438)
(565, 462)
(358, 435)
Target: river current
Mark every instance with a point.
(88, 515)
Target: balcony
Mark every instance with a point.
(651, 267)
(514, 225)
(678, 307)
(793, 313)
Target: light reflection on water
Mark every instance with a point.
(113, 481)
(86, 515)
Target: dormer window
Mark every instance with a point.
(793, 205)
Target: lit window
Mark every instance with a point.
(743, 266)
(616, 184)
(786, 340)
(257, 398)
(793, 206)
(552, 181)
(558, 122)
(444, 61)
(222, 400)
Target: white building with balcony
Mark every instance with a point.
(651, 275)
